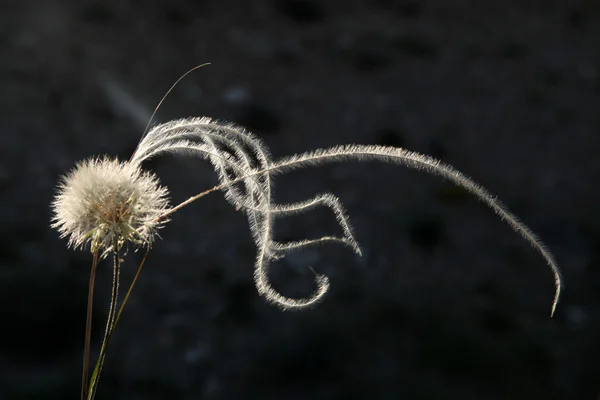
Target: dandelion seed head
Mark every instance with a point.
(105, 203)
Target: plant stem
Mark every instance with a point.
(192, 199)
(98, 367)
(110, 323)
(88, 329)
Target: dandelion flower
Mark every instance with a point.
(106, 203)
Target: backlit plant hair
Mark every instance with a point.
(108, 205)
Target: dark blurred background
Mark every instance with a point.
(447, 302)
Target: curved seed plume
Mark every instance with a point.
(238, 159)
(244, 168)
(108, 203)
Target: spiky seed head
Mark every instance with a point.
(106, 203)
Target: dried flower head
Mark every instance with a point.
(107, 203)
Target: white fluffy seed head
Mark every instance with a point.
(106, 203)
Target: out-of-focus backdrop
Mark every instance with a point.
(447, 302)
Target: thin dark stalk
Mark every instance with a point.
(98, 368)
(88, 329)
(164, 98)
(196, 197)
(110, 323)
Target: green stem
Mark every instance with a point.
(110, 324)
(98, 367)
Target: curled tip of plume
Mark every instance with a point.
(106, 203)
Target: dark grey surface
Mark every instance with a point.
(447, 302)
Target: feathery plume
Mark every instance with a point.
(106, 203)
